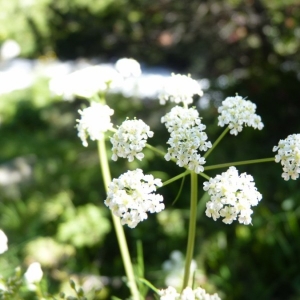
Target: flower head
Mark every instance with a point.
(128, 67)
(187, 294)
(289, 156)
(33, 275)
(94, 122)
(3, 242)
(86, 82)
(180, 88)
(231, 196)
(236, 112)
(130, 139)
(9, 49)
(187, 137)
(132, 195)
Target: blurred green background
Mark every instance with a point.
(52, 210)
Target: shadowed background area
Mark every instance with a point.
(51, 190)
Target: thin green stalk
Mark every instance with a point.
(238, 163)
(216, 142)
(150, 285)
(159, 152)
(204, 176)
(38, 291)
(192, 229)
(117, 224)
(176, 177)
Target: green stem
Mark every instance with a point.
(192, 229)
(117, 224)
(150, 285)
(38, 291)
(216, 142)
(176, 177)
(238, 163)
(204, 176)
(156, 150)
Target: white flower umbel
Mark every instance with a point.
(236, 112)
(231, 196)
(132, 195)
(3, 242)
(130, 139)
(86, 82)
(94, 122)
(9, 49)
(289, 156)
(128, 67)
(180, 89)
(33, 275)
(187, 294)
(187, 137)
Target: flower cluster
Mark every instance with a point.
(235, 111)
(180, 88)
(3, 242)
(187, 137)
(34, 273)
(131, 196)
(86, 82)
(128, 67)
(231, 196)
(130, 139)
(289, 156)
(94, 122)
(187, 294)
